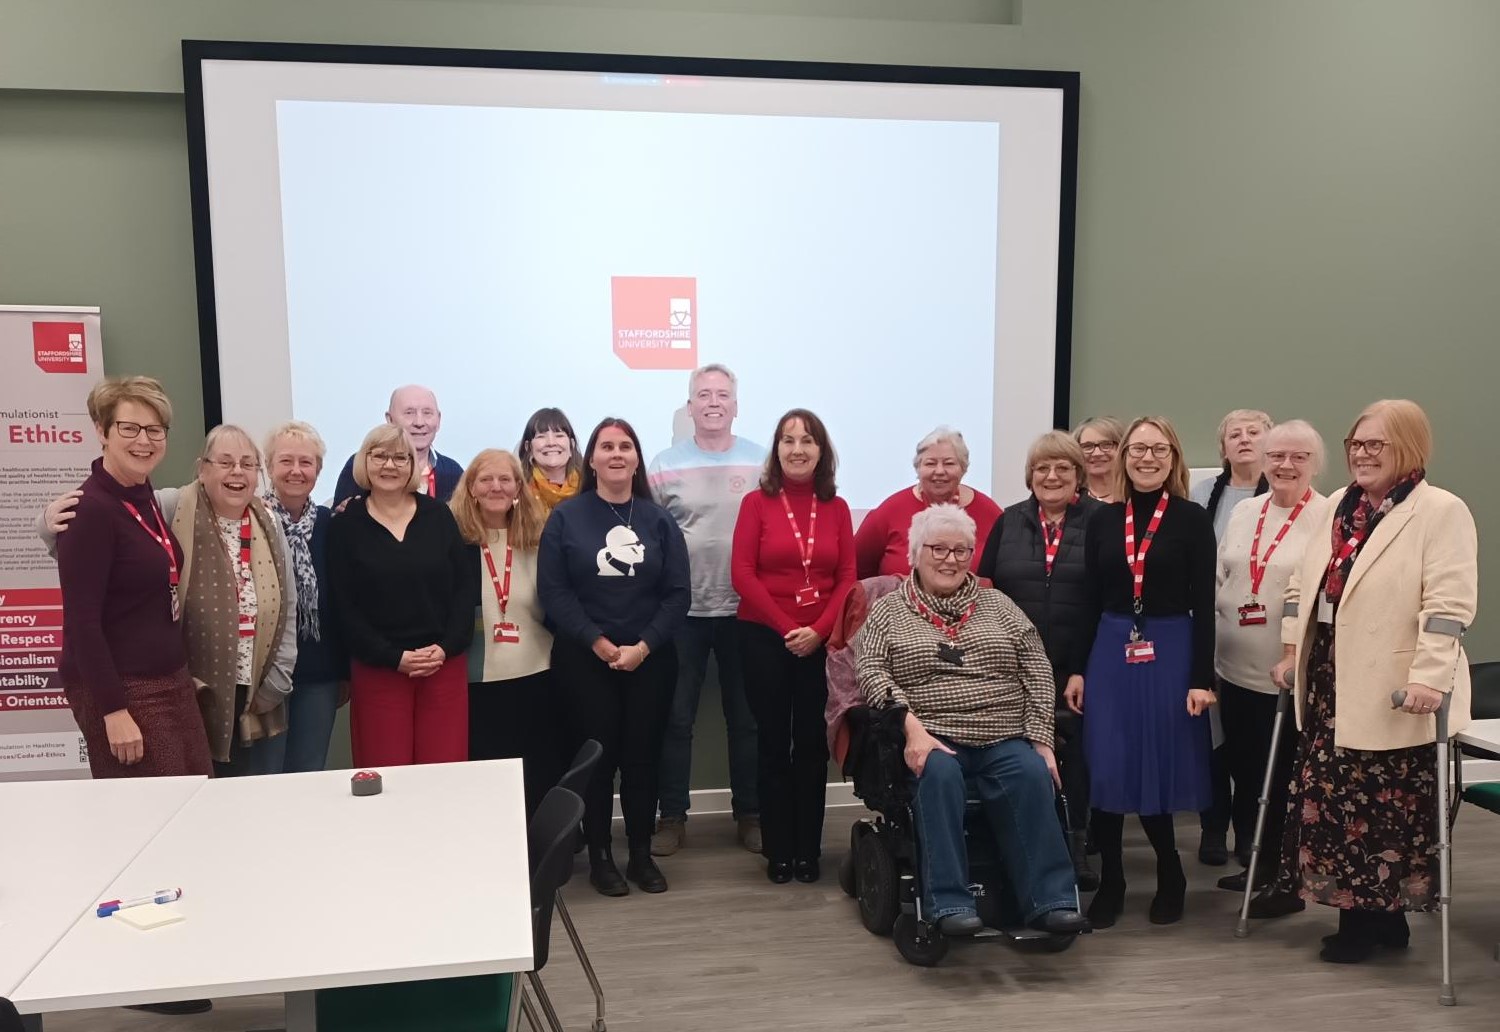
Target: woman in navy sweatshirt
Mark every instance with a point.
(612, 575)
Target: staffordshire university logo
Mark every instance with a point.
(57, 347)
(654, 321)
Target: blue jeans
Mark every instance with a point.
(309, 724)
(1016, 789)
(699, 636)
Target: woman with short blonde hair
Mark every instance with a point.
(1099, 439)
(512, 709)
(403, 592)
(1393, 563)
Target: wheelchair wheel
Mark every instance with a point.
(847, 880)
(916, 946)
(875, 878)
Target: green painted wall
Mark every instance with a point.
(1285, 204)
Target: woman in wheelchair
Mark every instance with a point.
(976, 683)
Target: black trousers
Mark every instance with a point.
(788, 695)
(1249, 718)
(1072, 768)
(518, 719)
(627, 714)
(1218, 816)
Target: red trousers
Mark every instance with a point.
(395, 719)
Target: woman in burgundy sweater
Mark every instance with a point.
(124, 660)
(792, 564)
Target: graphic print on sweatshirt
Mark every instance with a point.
(621, 554)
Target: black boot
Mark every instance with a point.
(642, 870)
(1354, 942)
(1109, 901)
(603, 874)
(1171, 890)
(1083, 874)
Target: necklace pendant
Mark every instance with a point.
(951, 654)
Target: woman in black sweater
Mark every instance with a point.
(1035, 555)
(1151, 560)
(612, 575)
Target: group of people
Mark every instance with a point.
(1132, 654)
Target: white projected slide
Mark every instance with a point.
(883, 254)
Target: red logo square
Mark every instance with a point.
(656, 321)
(58, 347)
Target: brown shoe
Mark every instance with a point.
(749, 834)
(670, 834)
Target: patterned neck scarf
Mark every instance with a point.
(299, 532)
(1356, 515)
(550, 494)
(950, 607)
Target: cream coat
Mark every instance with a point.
(1420, 565)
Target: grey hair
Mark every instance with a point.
(713, 367)
(219, 433)
(935, 520)
(1304, 432)
(943, 435)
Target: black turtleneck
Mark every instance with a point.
(1180, 568)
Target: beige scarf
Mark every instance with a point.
(210, 616)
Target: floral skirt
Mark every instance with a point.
(1361, 829)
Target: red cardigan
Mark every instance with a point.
(880, 548)
(766, 565)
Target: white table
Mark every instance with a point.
(65, 842)
(291, 884)
(1482, 734)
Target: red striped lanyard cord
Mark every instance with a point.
(804, 547)
(1137, 559)
(1257, 566)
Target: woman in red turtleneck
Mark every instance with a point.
(793, 562)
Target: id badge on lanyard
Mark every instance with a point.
(505, 632)
(1138, 650)
(1252, 614)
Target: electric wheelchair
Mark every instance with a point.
(882, 869)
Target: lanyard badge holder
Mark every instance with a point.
(1138, 649)
(808, 594)
(505, 632)
(1253, 612)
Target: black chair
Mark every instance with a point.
(10, 1018)
(575, 780)
(550, 846)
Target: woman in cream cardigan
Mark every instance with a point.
(1378, 603)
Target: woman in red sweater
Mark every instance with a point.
(941, 461)
(792, 564)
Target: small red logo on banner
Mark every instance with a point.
(58, 347)
(656, 321)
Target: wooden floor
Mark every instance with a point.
(725, 950)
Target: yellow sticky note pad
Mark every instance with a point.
(153, 915)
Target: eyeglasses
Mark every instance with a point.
(1297, 458)
(1140, 448)
(154, 431)
(1047, 469)
(380, 458)
(230, 465)
(1107, 447)
(1373, 447)
(941, 552)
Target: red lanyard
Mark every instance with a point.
(951, 630)
(502, 588)
(162, 539)
(432, 483)
(1258, 568)
(1137, 560)
(1052, 542)
(805, 548)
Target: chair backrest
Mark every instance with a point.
(1484, 703)
(577, 777)
(549, 842)
(10, 1019)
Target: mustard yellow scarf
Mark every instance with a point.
(550, 494)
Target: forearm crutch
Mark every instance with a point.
(1283, 705)
(1398, 699)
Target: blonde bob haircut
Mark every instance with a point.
(1408, 433)
(391, 439)
(296, 430)
(107, 394)
(1243, 415)
(526, 515)
(1050, 447)
(1177, 478)
(227, 436)
(1108, 427)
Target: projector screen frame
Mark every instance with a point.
(195, 52)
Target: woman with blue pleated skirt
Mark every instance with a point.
(1150, 559)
